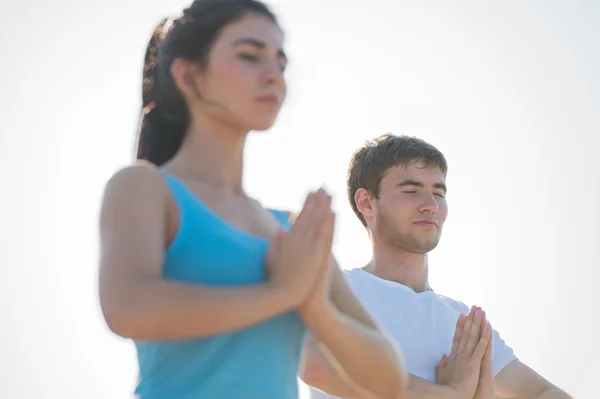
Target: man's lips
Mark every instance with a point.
(429, 222)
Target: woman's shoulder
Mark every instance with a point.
(136, 182)
(284, 217)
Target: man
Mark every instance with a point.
(396, 186)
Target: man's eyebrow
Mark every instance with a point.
(258, 44)
(411, 182)
(441, 186)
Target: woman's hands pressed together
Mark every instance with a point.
(299, 260)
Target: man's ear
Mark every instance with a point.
(363, 200)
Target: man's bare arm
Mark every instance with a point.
(322, 372)
(518, 381)
(370, 358)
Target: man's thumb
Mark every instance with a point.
(443, 362)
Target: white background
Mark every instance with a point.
(509, 91)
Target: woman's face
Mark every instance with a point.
(243, 81)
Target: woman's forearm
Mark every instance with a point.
(168, 310)
(367, 357)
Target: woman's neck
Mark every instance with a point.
(214, 156)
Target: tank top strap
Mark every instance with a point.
(185, 198)
(181, 193)
(282, 217)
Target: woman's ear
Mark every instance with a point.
(184, 75)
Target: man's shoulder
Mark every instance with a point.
(358, 279)
(354, 275)
(352, 272)
(453, 303)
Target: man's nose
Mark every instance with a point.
(429, 203)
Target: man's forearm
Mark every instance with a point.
(552, 393)
(368, 358)
(517, 380)
(421, 389)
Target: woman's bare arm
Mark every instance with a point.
(135, 299)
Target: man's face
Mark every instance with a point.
(411, 209)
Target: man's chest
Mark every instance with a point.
(423, 325)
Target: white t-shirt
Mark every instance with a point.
(422, 323)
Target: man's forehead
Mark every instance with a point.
(415, 170)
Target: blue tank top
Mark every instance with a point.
(257, 362)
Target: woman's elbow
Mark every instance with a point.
(401, 383)
(398, 382)
(401, 378)
(394, 382)
(118, 323)
(120, 317)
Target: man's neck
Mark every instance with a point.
(406, 268)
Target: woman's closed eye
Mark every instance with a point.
(254, 58)
(248, 57)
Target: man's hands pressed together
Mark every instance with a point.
(468, 368)
(486, 386)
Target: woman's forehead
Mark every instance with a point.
(252, 28)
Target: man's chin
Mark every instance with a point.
(425, 247)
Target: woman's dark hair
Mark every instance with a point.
(165, 116)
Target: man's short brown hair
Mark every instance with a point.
(370, 163)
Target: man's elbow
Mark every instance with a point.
(559, 393)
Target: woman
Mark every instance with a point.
(217, 292)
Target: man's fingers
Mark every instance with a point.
(475, 333)
(465, 335)
(457, 333)
(487, 356)
(441, 365)
(483, 343)
(444, 361)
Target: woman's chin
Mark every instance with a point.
(262, 125)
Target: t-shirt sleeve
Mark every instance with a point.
(502, 354)
(314, 393)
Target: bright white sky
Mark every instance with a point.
(509, 92)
